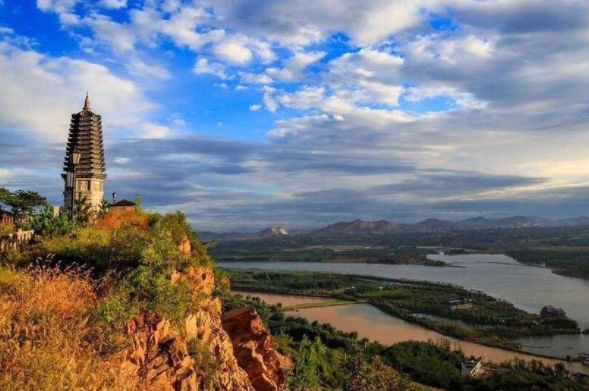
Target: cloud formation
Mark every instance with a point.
(384, 109)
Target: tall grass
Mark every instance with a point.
(46, 342)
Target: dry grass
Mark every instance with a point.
(45, 339)
(115, 218)
(6, 229)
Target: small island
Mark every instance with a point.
(451, 310)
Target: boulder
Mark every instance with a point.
(252, 345)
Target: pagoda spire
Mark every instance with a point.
(87, 103)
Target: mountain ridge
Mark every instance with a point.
(383, 227)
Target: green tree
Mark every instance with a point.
(305, 374)
(48, 224)
(21, 202)
(372, 376)
(103, 208)
(82, 213)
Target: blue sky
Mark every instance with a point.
(254, 113)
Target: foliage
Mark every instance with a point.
(82, 214)
(355, 364)
(104, 208)
(44, 334)
(47, 224)
(6, 229)
(488, 320)
(205, 363)
(305, 374)
(372, 376)
(427, 363)
(21, 202)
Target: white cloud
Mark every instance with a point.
(115, 4)
(233, 51)
(451, 51)
(45, 113)
(58, 6)
(151, 130)
(255, 107)
(140, 67)
(300, 24)
(204, 67)
(255, 78)
(294, 66)
(463, 99)
(121, 160)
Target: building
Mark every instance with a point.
(84, 169)
(123, 205)
(459, 304)
(472, 367)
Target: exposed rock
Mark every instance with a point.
(185, 246)
(274, 231)
(235, 354)
(200, 280)
(253, 348)
(160, 357)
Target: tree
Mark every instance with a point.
(21, 202)
(104, 208)
(375, 376)
(305, 374)
(81, 215)
(47, 223)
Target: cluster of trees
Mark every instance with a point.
(21, 202)
(327, 359)
(489, 320)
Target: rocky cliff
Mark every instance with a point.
(208, 351)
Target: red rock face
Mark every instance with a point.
(239, 344)
(252, 346)
(159, 357)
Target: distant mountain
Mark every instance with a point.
(274, 231)
(264, 234)
(431, 225)
(357, 227)
(475, 223)
(522, 221)
(384, 227)
(571, 222)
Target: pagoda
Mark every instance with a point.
(84, 169)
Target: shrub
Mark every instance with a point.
(44, 342)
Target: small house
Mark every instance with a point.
(471, 367)
(123, 205)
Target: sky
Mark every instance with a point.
(253, 113)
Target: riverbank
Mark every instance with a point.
(246, 251)
(454, 311)
(369, 322)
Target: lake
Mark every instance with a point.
(370, 322)
(528, 287)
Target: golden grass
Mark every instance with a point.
(6, 229)
(45, 339)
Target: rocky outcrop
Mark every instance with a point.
(201, 354)
(159, 357)
(254, 351)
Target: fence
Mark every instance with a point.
(16, 240)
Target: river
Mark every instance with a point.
(370, 322)
(528, 287)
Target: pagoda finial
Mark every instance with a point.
(87, 103)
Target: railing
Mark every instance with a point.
(16, 240)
